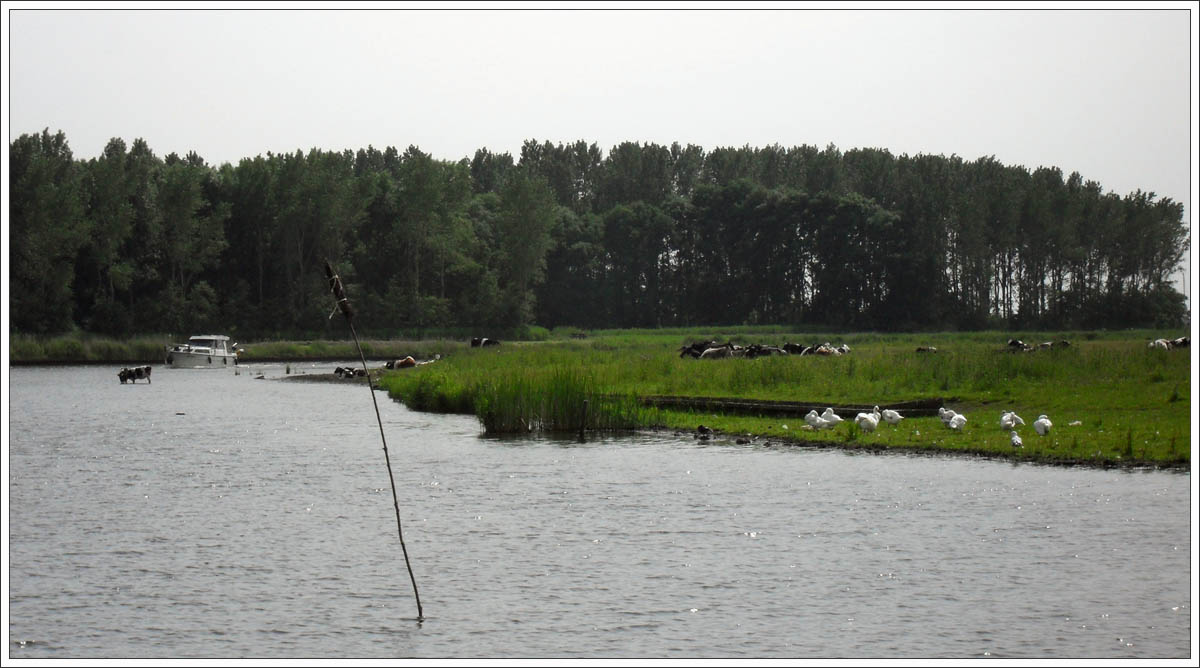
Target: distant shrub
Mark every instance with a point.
(65, 349)
(25, 349)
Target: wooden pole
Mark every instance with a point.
(335, 286)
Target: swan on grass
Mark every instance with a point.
(866, 421)
(946, 415)
(831, 417)
(890, 416)
(1009, 420)
(1042, 425)
(1016, 440)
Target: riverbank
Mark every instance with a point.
(150, 349)
(1113, 400)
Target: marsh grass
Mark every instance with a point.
(1132, 401)
(68, 349)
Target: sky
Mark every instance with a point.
(1104, 90)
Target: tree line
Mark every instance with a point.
(564, 235)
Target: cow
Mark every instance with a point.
(401, 363)
(135, 374)
(695, 350)
(1019, 346)
(1181, 342)
(479, 342)
(926, 349)
(718, 352)
(758, 350)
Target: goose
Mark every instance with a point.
(957, 422)
(1009, 420)
(1016, 440)
(1042, 425)
(891, 417)
(866, 421)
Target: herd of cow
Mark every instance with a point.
(712, 350)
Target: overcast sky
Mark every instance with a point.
(1105, 93)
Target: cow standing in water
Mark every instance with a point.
(135, 374)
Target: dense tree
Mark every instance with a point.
(48, 227)
(647, 235)
(522, 235)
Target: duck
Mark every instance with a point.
(1042, 425)
(1016, 440)
(866, 421)
(1009, 420)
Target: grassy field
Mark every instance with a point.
(1131, 403)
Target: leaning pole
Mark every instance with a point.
(343, 304)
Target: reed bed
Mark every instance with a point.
(82, 348)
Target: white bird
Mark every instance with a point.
(814, 420)
(891, 417)
(1042, 425)
(866, 421)
(957, 422)
(1009, 420)
(829, 416)
(946, 414)
(1016, 440)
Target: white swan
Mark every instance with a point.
(946, 415)
(866, 421)
(891, 417)
(1016, 440)
(1042, 425)
(1009, 420)
(831, 417)
(814, 420)
(957, 422)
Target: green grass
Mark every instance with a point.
(77, 348)
(1132, 402)
(345, 350)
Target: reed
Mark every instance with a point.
(82, 347)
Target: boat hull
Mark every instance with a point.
(193, 360)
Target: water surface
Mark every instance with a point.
(216, 515)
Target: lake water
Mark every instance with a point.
(217, 515)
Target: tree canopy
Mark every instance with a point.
(647, 235)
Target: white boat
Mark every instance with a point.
(202, 351)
